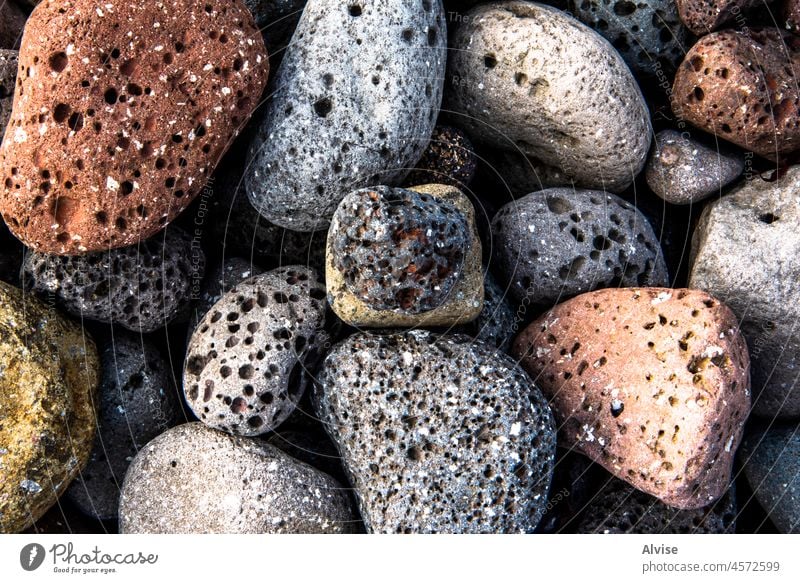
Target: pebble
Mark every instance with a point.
(449, 159)
(718, 90)
(771, 460)
(48, 378)
(246, 364)
(142, 287)
(652, 383)
(12, 23)
(193, 479)
(746, 251)
(560, 242)
(8, 76)
(398, 257)
(704, 16)
(354, 106)
(438, 434)
(121, 138)
(683, 171)
(506, 89)
(137, 402)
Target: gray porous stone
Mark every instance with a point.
(437, 434)
(399, 249)
(356, 99)
(142, 287)
(620, 508)
(528, 78)
(193, 479)
(560, 242)
(683, 171)
(648, 35)
(138, 402)
(277, 20)
(497, 322)
(8, 75)
(771, 461)
(246, 362)
(746, 252)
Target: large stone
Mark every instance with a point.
(356, 99)
(48, 379)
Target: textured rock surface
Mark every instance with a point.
(619, 508)
(746, 251)
(653, 384)
(497, 322)
(647, 34)
(246, 363)
(743, 88)
(683, 171)
(137, 402)
(12, 21)
(449, 159)
(771, 461)
(193, 479)
(354, 106)
(398, 257)
(110, 140)
(520, 80)
(48, 379)
(791, 15)
(560, 242)
(438, 434)
(8, 75)
(703, 16)
(142, 287)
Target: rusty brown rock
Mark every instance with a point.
(121, 116)
(651, 383)
(703, 16)
(743, 88)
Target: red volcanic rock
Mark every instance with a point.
(703, 16)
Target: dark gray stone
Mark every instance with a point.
(449, 159)
(561, 242)
(497, 323)
(356, 99)
(12, 22)
(438, 434)
(8, 75)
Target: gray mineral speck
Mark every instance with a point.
(560, 242)
(193, 479)
(142, 287)
(356, 99)
(438, 434)
(682, 171)
(246, 364)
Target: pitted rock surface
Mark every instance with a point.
(449, 159)
(704, 16)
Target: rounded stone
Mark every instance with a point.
(560, 242)
(195, 480)
(653, 384)
(141, 288)
(356, 99)
(9, 61)
(703, 16)
(438, 434)
(141, 102)
(48, 380)
(508, 89)
(449, 159)
(137, 402)
(246, 364)
(684, 171)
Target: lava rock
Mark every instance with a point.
(653, 384)
(141, 288)
(746, 251)
(246, 365)
(683, 171)
(449, 159)
(124, 134)
(437, 434)
(648, 35)
(704, 16)
(9, 61)
(12, 21)
(507, 90)
(354, 106)
(137, 403)
(720, 89)
(771, 460)
(398, 257)
(498, 322)
(791, 15)
(192, 479)
(48, 379)
(561, 242)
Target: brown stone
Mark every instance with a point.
(651, 383)
(703, 16)
(791, 15)
(48, 380)
(8, 76)
(743, 89)
(121, 115)
(12, 21)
